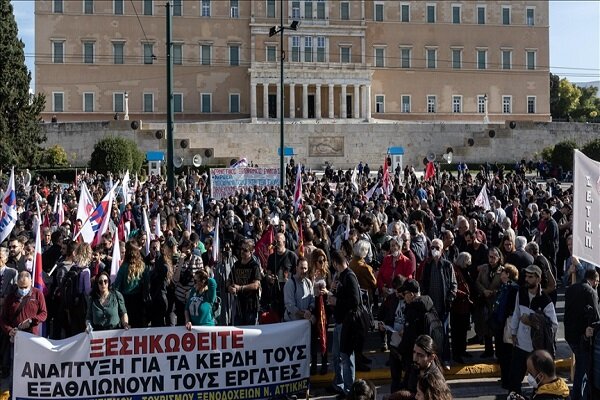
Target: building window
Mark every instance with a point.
(177, 102)
(530, 104)
(58, 99)
(530, 16)
(405, 103)
(205, 102)
(234, 55)
(481, 104)
(380, 57)
(295, 10)
(507, 104)
(345, 54)
(177, 54)
(308, 9)
(481, 15)
(271, 53)
(177, 8)
(148, 102)
(506, 59)
(234, 103)
(296, 48)
(321, 49)
(148, 53)
(205, 11)
(88, 102)
(234, 8)
(88, 52)
(456, 14)
(431, 104)
(456, 104)
(431, 58)
(431, 13)
(380, 103)
(405, 58)
(378, 12)
(148, 7)
(531, 60)
(308, 49)
(119, 102)
(321, 13)
(118, 7)
(405, 12)
(88, 6)
(481, 59)
(505, 15)
(118, 53)
(345, 10)
(456, 58)
(57, 6)
(271, 9)
(58, 51)
(205, 50)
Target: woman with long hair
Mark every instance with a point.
(433, 387)
(130, 281)
(162, 288)
(321, 276)
(107, 307)
(200, 300)
(82, 259)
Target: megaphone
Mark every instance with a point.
(178, 162)
(197, 160)
(431, 157)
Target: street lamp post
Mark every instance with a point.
(272, 32)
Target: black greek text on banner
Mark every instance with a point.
(206, 363)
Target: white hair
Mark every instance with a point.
(520, 242)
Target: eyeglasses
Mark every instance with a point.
(103, 281)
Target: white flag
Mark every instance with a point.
(125, 189)
(116, 256)
(482, 199)
(371, 191)
(147, 230)
(97, 223)
(157, 232)
(86, 204)
(354, 179)
(216, 244)
(9, 208)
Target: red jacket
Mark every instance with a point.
(35, 308)
(389, 269)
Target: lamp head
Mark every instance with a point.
(273, 31)
(294, 25)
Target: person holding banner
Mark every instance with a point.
(200, 300)
(106, 309)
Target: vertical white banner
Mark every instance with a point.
(586, 209)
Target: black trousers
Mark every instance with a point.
(518, 368)
(460, 327)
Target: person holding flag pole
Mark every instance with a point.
(9, 208)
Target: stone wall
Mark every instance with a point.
(343, 144)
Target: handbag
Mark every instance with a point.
(365, 316)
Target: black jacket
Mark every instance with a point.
(581, 310)
(414, 324)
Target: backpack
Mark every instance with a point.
(70, 292)
(434, 328)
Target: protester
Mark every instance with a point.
(244, 284)
(200, 301)
(106, 309)
(132, 282)
(541, 375)
(8, 278)
(460, 311)
(321, 275)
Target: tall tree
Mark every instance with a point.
(20, 132)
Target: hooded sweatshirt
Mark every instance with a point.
(555, 390)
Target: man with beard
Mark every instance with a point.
(244, 284)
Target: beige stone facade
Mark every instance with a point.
(460, 61)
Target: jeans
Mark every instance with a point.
(582, 363)
(343, 364)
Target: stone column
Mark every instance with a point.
(253, 101)
(305, 100)
(356, 108)
(318, 102)
(279, 110)
(265, 100)
(368, 101)
(343, 109)
(331, 104)
(292, 101)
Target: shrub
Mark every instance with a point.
(137, 157)
(592, 149)
(55, 156)
(546, 153)
(112, 154)
(562, 154)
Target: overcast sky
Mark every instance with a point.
(574, 37)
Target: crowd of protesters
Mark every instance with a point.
(427, 247)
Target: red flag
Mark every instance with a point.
(38, 280)
(264, 247)
(387, 182)
(429, 171)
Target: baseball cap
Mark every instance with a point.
(535, 270)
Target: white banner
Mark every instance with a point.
(207, 363)
(225, 181)
(586, 209)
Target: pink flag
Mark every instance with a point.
(387, 182)
(8, 217)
